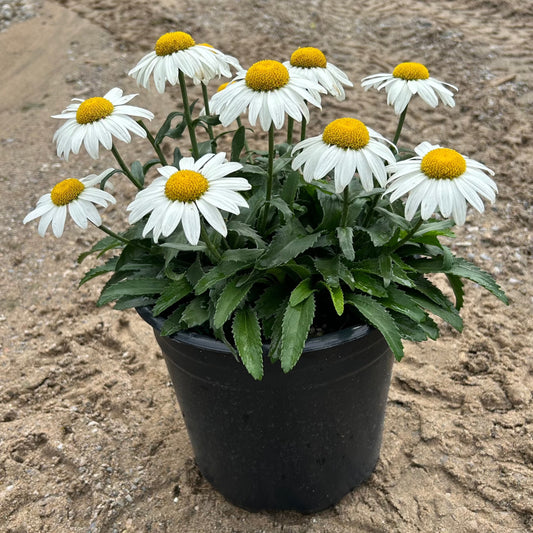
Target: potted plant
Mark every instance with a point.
(280, 281)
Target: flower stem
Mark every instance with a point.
(304, 128)
(399, 128)
(290, 128)
(187, 115)
(210, 246)
(345, 206)
(246, 147)
(156, 147)
(111, 233)
(208, 113)
(410, 233)
(125, 169)
(270, 180)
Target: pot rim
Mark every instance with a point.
(329, 340)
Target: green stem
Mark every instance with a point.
(304, 128)
(246, 147)
(290, 128)
(125, 169)
(345, 206)
(208, 113)
(156, 147)
(371, 206)
(411, 232)
(187, 115)
(399, 128)
(270, 180)
(210, 246)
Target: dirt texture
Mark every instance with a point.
(91, 438)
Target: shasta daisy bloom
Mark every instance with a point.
(77, 196)
(406, 80)
(347, 146)
(225, 61)
(311, 63)
(96, 121)
(177, 51)
(441, 179)
(268, 91)
(183, 194)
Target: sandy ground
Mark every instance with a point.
(91, 438)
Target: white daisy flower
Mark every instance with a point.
(347, 146)
(97, 120)
(311, 63)
(440, 179)
(225, 60)
(406, 80)
(181, 195)
(78, 196)
(269, 91)
(175, 52)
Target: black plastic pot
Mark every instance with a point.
(300, 440)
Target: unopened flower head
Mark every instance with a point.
(183, 194)
(177, 51)
(268, 91)
(78, 197)
(441, 179)
(311, 63)
(346, 146)
(406, 80)
(96, 121)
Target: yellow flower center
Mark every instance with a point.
(267, 75)
(66, 191)
(346, 133)
(308, 57)
(173, 42)
(186, 186)
(443, 164)
(411, 71)
(94, 109)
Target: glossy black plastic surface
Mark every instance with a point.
(297, 441)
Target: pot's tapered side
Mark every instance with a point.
(300, 440)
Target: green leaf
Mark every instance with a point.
(286, 245)
(337, 297)
(345, 236)
(456, 283)
(196, 313)
(247, 336)
(268, 303)
(433, 300)
(218, 273)
(301, 292)
(274, 352)
(297, 321)
(399, 301)
(367, 283)
(237, 144)
(108, 266)
(329, 269)
(378, 316)
(244, 230)
(290, 187)
(103, 245)
(137, 171)
(409, 329)
(132, 287)
(463, 268)
(243, 255)
(385, 269)
(174, 322)
(229, 299)
(127, 302)
(165, 128)
(173, 293)
(381, 232)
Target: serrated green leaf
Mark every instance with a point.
(103, 245)
(244, 230)
(229, 299)
(345, 236)
(243, 255)
(247, 336)
(127, 302)
(297, 321)
(328, 267)
(219, 273)
(286, 245)
(399, 301)
(173, 293)
(137, 172)
(108, 266)
(368, 284)
(173, 323)
(132, 287)
(268, 303)
(456, 283)
(301, 292)
(196, 312)
(378, 316)
(237, 143)
(337, 297)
